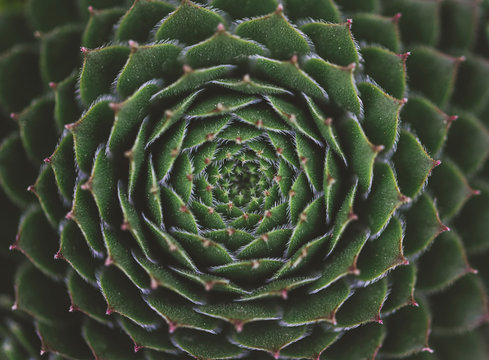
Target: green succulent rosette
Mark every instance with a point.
(254, 179)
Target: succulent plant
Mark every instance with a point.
(244, 179)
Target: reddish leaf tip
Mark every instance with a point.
(137, 348)
(471, 270)
(91, 10)
(428, 349)
(444, 228)
(69, 216)
(172, 327)
(109, 261)
(15, 306)
(47, 160)
(351, 67)
(276, 354)
(53, 85)
(280, 9)
(238, 325)
(73, 308)
(476, 192)
(349, 22)
(109, 311)
(187, 69)
(220, 28)
(284, 294)
(84, 50)
(14, 116)
(31, 188)
(154, 283)
(396, 17)
(247, 79)
(59, 255)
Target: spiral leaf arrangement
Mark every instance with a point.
(251, 179)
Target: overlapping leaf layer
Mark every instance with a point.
(249, 179)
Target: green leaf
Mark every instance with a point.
(337, 81)
(170, 246)
(269, 336)
(34, 120)
(248, 270)
(312, 345)
(377, 29)
(461, 307)
(387, 69)
(193, 79)
(46, 15)
(189, 23)
(179, 313)
(433, 74)
(413, 164)
(367, 339)
(442, 264)
(39, 296)
(452, 347)
(13, 178)
(407, 331)
(289, 75)
(74, 249)
(318, 307)
(281, 38)
(221, 48)
(269, 244)
(98, 30)
(106, 342)
(429, 122)
(344, 216)
(60, 52)
(246, 8)
(37, 241)
(402, 282)
(119, 254)
(318, 9)
(247, 85)
(142, 67)
(128, 118)
(294, 116)
(239, 314)
(160, 276)
(62, 162)
(424, 225)
(176, 212)
(333, 42)
(140, 19)
(206, 346)
(63, 342)
(381, 115)
(100, 68)
(342, 262)
(90, 131)
(103, 186)
(468, 144)
(360, 153)
(47, 192)
(20, 79)
(86, 298)
(384, 199)
(472, 221)
(122, 297)
(142, 338)
(278, 288)
(382, 254)
(205, 252)
(84, 212)
(450, 188)
(363, 306)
